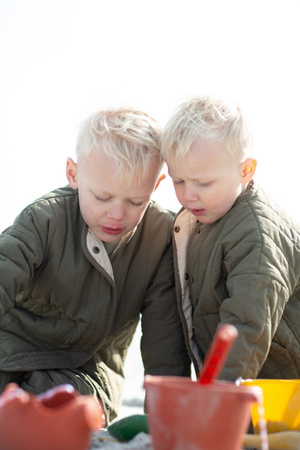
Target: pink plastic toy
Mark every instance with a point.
(59, 419)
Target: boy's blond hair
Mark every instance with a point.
(129, 136)
(210, 118)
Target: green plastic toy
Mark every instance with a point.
(125, 429)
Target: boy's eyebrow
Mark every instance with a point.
(100, 193)
(141, 197)
(171, 174)
(174, 176)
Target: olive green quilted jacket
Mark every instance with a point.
(243, 269)
(63, 301)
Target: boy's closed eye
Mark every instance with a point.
(137, 204)
(209, 183)
(131, 202)
(102, 199)
(198, 183)
(178, 181)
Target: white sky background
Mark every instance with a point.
(60, 60)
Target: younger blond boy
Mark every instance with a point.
(237, 254)
(80, 264)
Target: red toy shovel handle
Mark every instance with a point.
(217, 354)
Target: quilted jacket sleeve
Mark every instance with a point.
(262, 269)
(21, 251)
(163, 346)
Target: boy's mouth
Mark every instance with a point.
(197, 212)
(112, 231)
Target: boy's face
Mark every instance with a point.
(110, 205)
(208, 181)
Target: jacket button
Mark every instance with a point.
(198, 230)
(186, 276)
(177, 228)
(96, 250)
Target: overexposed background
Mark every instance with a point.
(60, 60)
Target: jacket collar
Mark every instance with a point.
(184, 225)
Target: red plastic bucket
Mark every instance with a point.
(184, 414)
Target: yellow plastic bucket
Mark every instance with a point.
(281, 401)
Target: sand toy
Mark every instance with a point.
(209, 415)
(59, 419)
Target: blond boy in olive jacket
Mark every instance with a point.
(237, 254)
(80, 264)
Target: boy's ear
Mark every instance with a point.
(71, 173)
(160, 178)
(248, 168)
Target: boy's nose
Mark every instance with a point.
(116, 212)
(189, 194)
